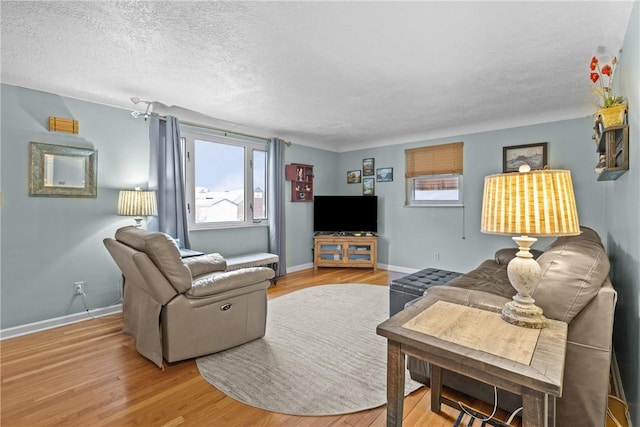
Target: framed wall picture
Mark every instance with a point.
(368, 186)
(368, 167)
(384, 174)
(353, 177)
(534, 155)
(62, 171)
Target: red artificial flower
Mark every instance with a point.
(604, 88)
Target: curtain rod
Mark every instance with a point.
(288, 143)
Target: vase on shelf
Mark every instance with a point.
(613, 116)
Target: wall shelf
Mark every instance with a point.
(301, 177)
(613, 147)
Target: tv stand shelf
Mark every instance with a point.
(345, 251)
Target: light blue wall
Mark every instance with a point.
(622, 207)
(49, 243)
(299, 215)
(410, 237)
(37, 229)
(231, 241)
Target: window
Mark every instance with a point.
(434, 175)
(226, 181)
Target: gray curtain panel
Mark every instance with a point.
(167, 178)
(277, 241)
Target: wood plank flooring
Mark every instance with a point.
(89, 374)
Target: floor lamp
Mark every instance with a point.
(528, 203)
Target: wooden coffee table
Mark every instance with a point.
(473, 341)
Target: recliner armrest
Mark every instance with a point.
(204, 264)
(218, 282)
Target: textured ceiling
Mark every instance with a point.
(336, 75)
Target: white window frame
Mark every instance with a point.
(189, 137)
(410, 192)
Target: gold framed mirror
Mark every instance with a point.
(62, 171)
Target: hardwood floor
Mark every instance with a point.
(89, 374)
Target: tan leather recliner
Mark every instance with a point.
(183, 308)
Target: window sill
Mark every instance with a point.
(265, 223)
(442, 205)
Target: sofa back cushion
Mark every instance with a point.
(573, 270)
(489, 276)
(162, 250)
(505, 255)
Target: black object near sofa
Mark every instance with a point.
(575, 288)
(407, 288)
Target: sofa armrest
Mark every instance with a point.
(218, 282)
(205, 264)
(593, 326)
(466, 296)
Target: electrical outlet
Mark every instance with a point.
(78, 288)
(436, 256)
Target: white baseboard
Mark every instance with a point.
(398, 268)
(43, 325)
(300, 267)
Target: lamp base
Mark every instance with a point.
(525, 315)
(524, 274)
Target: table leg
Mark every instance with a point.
(551, 400)
(537, 410)
(435, 373)
(395, 384)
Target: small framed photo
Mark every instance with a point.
(384, 174)
(368, 186)
(534, 155)
(353, 177)
(368, 167)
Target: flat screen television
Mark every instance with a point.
(348, 214)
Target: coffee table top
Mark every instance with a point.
(474, 341)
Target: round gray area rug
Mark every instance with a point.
(320, 355)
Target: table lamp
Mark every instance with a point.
(528, 203)
(137, 203)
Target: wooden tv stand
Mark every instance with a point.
(345, 251)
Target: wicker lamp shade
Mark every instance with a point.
(536, 203)
(137, 203)
(525, 204)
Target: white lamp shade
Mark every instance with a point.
(137, 203)
(536, 203)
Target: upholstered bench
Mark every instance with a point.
(257, 259)
(407, 288)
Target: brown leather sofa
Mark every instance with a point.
(182, 308)
(575, 288)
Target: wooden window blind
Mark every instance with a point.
(434, 160)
